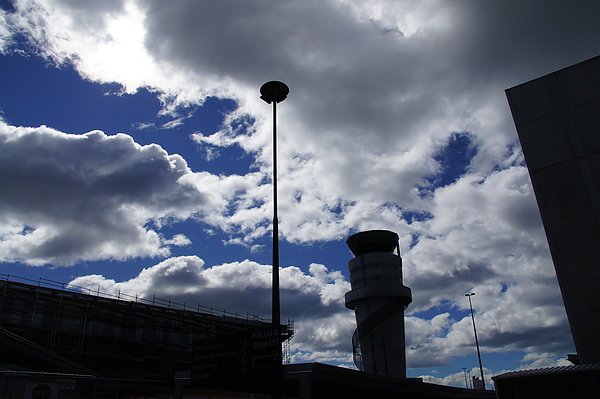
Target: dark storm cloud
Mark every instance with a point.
(65, 198)
(347, 74)
(344, 74)
(363, 97)
(515, 39)
(554, 339)
(94, 14)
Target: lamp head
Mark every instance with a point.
(274, 91)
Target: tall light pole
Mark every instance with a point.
(274, 92)
(466, 381)
(476, 341)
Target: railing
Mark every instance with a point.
(121, 296)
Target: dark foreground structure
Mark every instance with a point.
(581, 381)
(60, 342)
(557, 117)
(74, 344)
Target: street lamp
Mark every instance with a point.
(476, 341)
(274, 92)
(466, 381)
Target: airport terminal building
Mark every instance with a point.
(557, 117)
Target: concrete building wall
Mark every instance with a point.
(558, 122)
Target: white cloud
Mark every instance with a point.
(340, 358)
(483, 229)
(484, 235)
(541, 360)
(5, 34)
(68, 198)
(458, 379)
(313, 300)
(178, 240)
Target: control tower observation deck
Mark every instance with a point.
(378, 299)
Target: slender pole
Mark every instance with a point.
(476, 340)
(275, 92)
(275, 307)
(275, 316)
(466, 381)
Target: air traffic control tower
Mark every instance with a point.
(378, 299)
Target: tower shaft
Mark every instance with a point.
(378, 299)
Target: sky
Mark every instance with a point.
(135, 157)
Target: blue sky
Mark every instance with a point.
(135, 156)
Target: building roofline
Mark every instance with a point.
(555, 72)
(582, 368)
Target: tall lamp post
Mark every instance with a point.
(274, 92)
(476, 341)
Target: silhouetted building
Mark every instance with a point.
(557, 117)
(581, 381)
(558, 121)
(378, 299)
(124, 345)
(477, 383)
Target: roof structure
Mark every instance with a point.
(582, 368)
